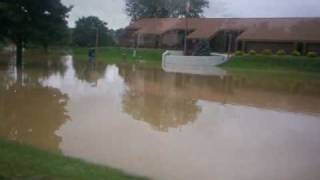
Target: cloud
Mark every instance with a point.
(112, 11)
(267, 8)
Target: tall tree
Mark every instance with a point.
(138, 9)
(91, 31)
(35, 21)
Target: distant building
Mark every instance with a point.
(224, 34)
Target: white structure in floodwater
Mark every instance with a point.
(177, 62)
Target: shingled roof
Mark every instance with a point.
(253, 29)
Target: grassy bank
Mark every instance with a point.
(274, 63)
(24, 162)
(115, 54)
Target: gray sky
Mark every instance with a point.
(112, 11)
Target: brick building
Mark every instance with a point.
(226, 34)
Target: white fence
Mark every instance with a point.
(177, 57)
(175, 61)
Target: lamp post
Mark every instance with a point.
(188, 7)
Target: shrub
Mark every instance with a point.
(312, 54)
(281, 52)
(239, 53)
(267, 52)
(296, 53)
(252, 52)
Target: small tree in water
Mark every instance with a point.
(37, 21)
(202, 49)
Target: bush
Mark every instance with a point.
(252, 52)
(281, 52)
(239, 53)
(267, 52)
(296, 53)
(312, 54)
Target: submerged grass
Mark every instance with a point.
(274, 63)
(248, 62)
(153, 57)
(114, 54)
(25, 162)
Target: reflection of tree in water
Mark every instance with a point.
(31, 113)
(162, 113)
(33, 70)
(151, 102)
(46, 68)
(89, 72)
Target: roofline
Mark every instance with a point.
(283, 17)
(278, 40)
(210, 36)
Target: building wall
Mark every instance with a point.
(225, 41)
(273, 46)
(170, 39)
(127, 39)
(313, 47)
(148, 41)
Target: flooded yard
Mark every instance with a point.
(167, 125)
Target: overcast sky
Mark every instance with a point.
(112, 11)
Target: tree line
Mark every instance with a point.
(44, 22)
(138, 9)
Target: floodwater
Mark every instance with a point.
(176, 125)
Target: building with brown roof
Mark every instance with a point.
(227, 34)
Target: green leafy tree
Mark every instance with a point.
(35, 21)
(138, 9)
(91, 31)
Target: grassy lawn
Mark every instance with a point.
(274, 63)
(24, 162)
(115, 54)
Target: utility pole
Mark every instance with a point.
(97, 38)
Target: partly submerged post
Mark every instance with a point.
(229, 44)
(185, 49)
(135, 45)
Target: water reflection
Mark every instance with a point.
(152, 97)
(167, 125)
(29, 112)
(89, 72)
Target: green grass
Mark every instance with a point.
(116, 54)
(274, 63)
(25, 162)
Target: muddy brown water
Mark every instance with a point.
(167, 126)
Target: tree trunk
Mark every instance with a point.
(19, 82)
(19, 52)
